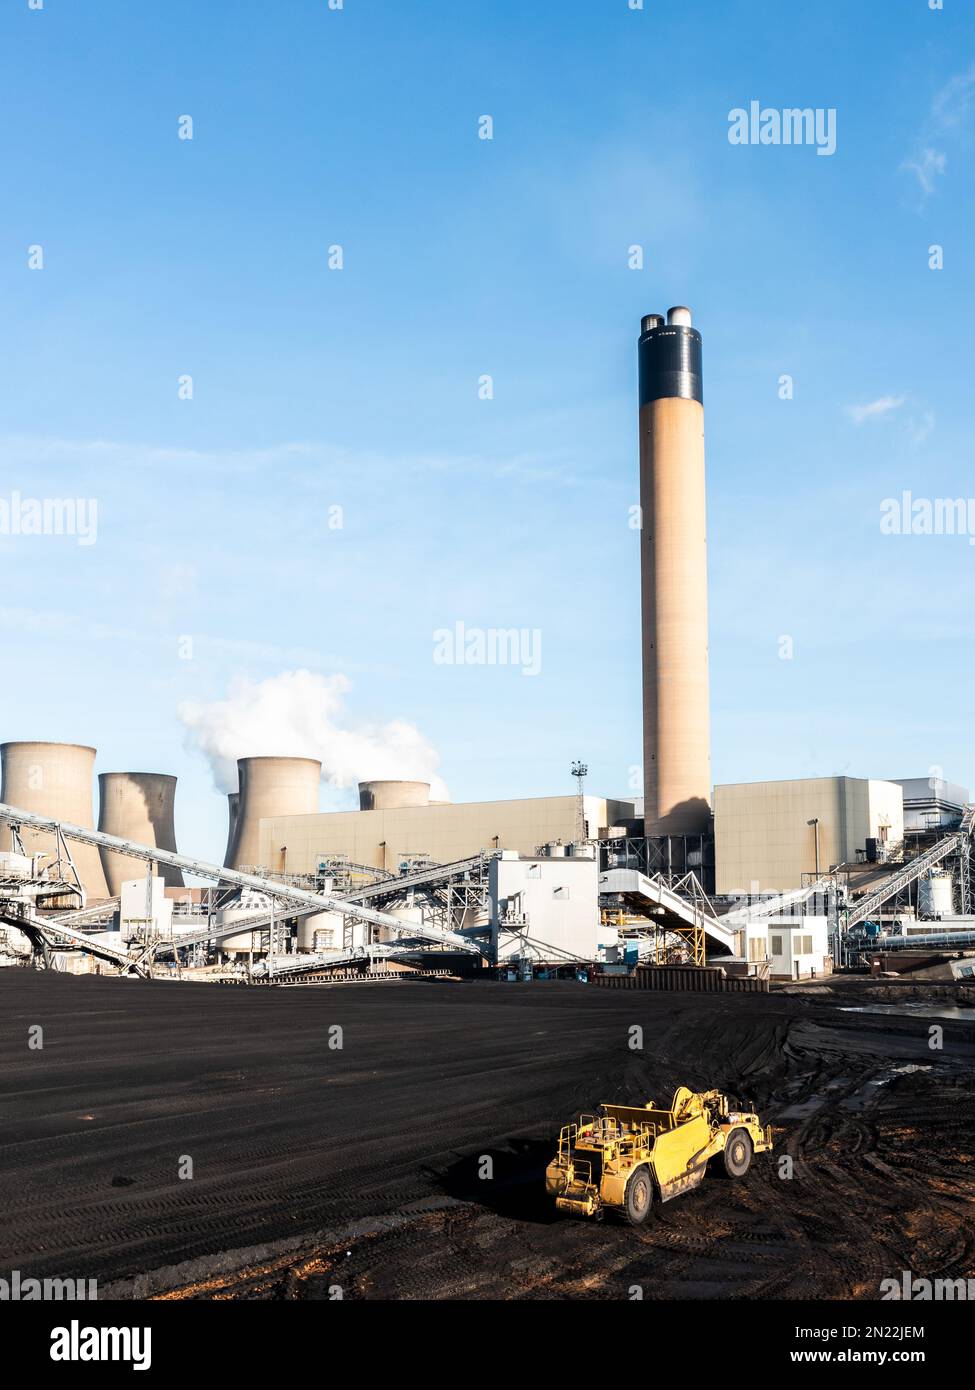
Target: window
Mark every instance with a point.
(776, 945)
(804, 946)
(757, 948)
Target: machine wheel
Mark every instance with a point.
(737, 1153)
(638, 1196)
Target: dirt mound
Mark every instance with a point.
(362, 1168)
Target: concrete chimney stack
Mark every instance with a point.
(676, 714)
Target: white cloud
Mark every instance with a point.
(950, 112)
(954, 102)
(921, 429)
(314, 466)
(927, 165)
(178, 580)
(874, 409)
(45, 623)
(299, 714)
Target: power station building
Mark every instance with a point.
(443, 832)
(769, 834)
(737, 840)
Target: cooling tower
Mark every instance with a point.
(53, 779)
(676, 720)
(391, 796)
(270, 787)
(137, 806)
(233, 803)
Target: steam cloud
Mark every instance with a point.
(301, 715)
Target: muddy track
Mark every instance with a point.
(359, 1168)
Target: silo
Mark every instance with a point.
(392, 796)
(270, 787)
(676, 733)
(53, 779)
(233, 803)
(936, 895)
(137, 806)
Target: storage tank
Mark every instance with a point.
(392, 796)
(137, 806)
(270, 787)
(936, 896)
(248, 904)
(53, 779)
(320, 927)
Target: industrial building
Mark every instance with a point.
(795, 948)
(410, 827)
(768, 835)
(545, 909)
(773, 879)
(931, 804)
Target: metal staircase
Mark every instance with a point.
(680, 907)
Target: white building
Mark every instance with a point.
(795, 948)
(546, 909)
(140, 911)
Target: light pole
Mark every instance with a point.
(579, 771)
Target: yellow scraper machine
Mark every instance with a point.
(616, 1160)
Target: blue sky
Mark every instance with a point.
(358, 388)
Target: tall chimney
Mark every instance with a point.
(676, 719)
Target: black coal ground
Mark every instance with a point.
(319, 1169)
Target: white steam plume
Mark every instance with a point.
(301, 715)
